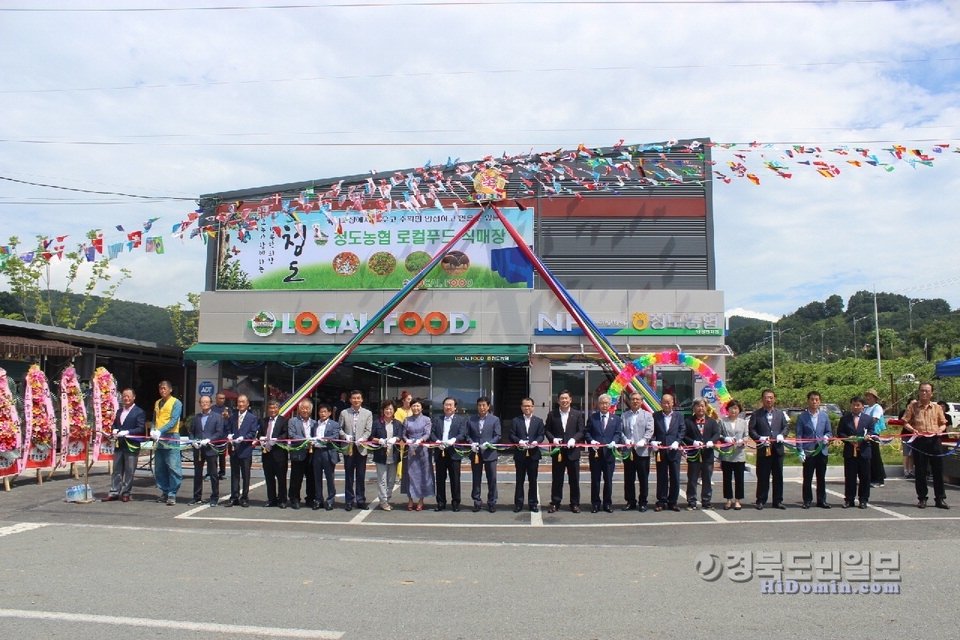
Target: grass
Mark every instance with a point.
(323, 277)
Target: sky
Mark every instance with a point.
(186, 97)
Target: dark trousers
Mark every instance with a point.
(815, 465)
(856, 470)
(877, 472)
(768, 465)
(924, 456)
(668, 481)
(732, 477)
(527, 469)
(488, 467)
(275, 474)
(222, 458)
(447, 465)
(355, 477)
(298, 470)
(324, 463)
(240, 471)
(601, 468)
(199, 459)
(570, 468)
(702, 471)
(636, 467)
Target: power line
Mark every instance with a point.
(102, 193)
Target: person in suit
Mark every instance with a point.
(448, 428)
(637, 432)
(814, 430)
(206, 427)
(129, 421)
(224, 411)
(387, 430)
(856, 454)
(668, 430)
(355, 425)
(768, 427)
(603, 430)
(733, 458)
(564, 427)
(526, 431)
(483, 429)
(325, 457)
(703, 433)
(243, 427)
(299, 430)
(273, 427)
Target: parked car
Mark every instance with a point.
(953, 410)
(831, 408)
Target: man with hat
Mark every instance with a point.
(875, 410)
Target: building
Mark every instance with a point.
(295, 271)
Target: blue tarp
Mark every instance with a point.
(949, 368)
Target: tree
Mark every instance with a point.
(185, 323)
(29, 276)
(833, 306)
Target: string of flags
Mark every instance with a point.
(611, 171)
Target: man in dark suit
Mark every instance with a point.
(273, 427)
(129, 421)
(325, 457)
(604, 429)
(448, 429)
(702, 432)
(668, 430)
(564, 428)
(483, 429)
(243, 425)
(526, 431)
(813, 432)
(206, 427)
(224, 411)
(299, 430)
(768, 427)
(856, 455)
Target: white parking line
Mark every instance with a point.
(206, 505)
(205, 627)
(870, 505)
(19, 528)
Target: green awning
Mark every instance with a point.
(476, 354)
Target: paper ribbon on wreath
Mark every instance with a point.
(74, 430)
(105, 408)
(11, 449)
(40, 421)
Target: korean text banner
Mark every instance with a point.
(316, 252)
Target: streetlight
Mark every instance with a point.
(855, 321)
(800, 346)
(910, 303)
(823, 331)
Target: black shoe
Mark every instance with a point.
(759, 506)
(269, 504)
(805, 505)
(517, 509)
(642, 508)
(316, 506)
(244, 504)
(553, 508)
(232, 503)
(221, 476)
(440, 507)
(492, 509)
(476, 508)
(941, 504)
(575, 508)
(349, 507)
(455, 508)
(283, 505)
(608, 509)
(595, 509)
(707, 505)
(328, 507)
(214, 503)
(629, 507)
(195, 501)
(846, 504)
(162, 498)
(674, 508)
(534, 509)
(362, 506)
(295, 505)
(922, 503)
(780, 506)
(863, 505)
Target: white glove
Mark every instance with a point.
(642, 442)
(612, 445)
(779, 437)
(237, 439)
(349, 438)
(474, 446)
(802, 455)
(728, 440)
(697, 444)
(594, 442)
(450, 442)
(571, 442)
(654, 443)
(392, 440)
(123, 434)
(532, 445)
(675, 445)
(709, 444)
(205, 442)
(557, 440)
(764, 439)
(317, 439)
(196, 444)
(628, 442)
(826, 439)
(155, 435)
(740, 441)
(382, 442)
(523, 443)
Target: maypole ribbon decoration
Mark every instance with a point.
(677, 358)
(593, 333)
(287, 407)
(11, 454)
(39, 419)
(105, 406)
(73, 418)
